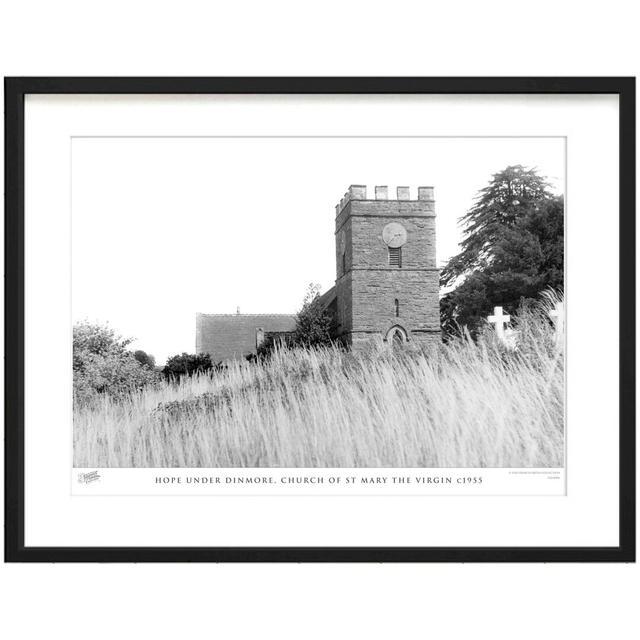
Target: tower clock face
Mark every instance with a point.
(394, 235)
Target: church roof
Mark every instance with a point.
(233, 335)
(328, 297)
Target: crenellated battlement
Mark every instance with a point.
(359, 192)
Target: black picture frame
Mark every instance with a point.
(15, 91)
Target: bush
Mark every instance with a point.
(102, 364)
(186, 364)
(145, 358)
(314, 324)
(271, 343)
(314, 327)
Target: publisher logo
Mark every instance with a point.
(90, 476)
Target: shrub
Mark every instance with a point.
(102, 364)
(314, 327)
(145, 358)
(271, 343)
(186, 364)
(314, 323)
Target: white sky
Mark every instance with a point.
(165, 227)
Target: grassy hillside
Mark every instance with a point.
(464, 404)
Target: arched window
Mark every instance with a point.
(396, 305)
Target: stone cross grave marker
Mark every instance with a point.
(557, 316)
(499, 320)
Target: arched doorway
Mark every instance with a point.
(396, 336)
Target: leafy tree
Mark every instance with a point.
(97, 339)
(314, 323)
(102, 364)
(314, 326)
(513, 248)
(186, 364)
(145, 358)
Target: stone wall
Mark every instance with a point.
(370, 251)
(375, 292)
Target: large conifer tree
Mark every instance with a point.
(513, 248)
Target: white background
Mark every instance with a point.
(404, 601)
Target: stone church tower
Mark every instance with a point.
(386, 274)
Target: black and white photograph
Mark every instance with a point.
(318, 302)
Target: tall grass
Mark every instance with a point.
(462, 404)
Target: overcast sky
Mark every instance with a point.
(166, 227)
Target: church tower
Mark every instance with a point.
(386, 274)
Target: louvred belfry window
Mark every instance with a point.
(395, 256)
